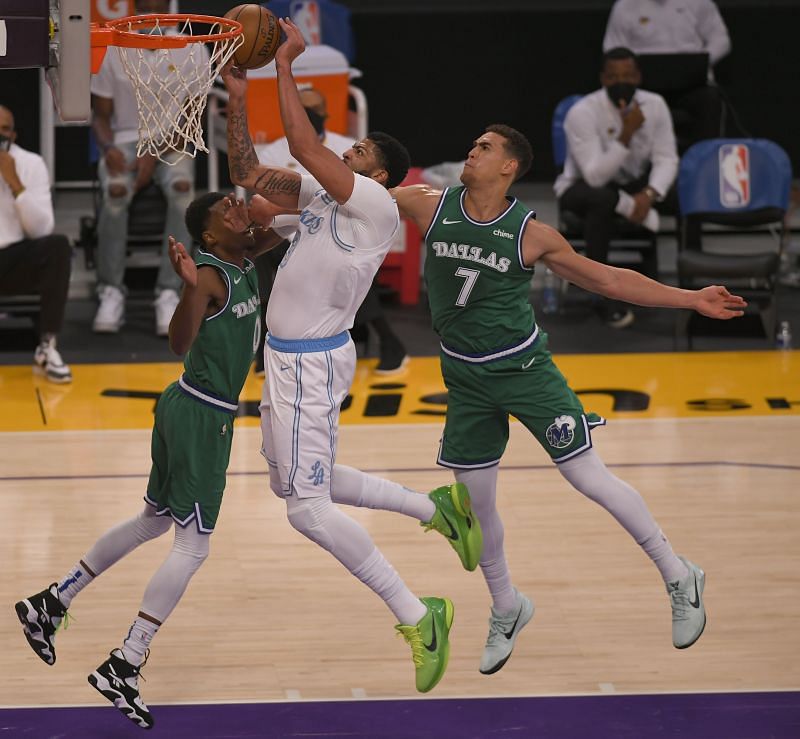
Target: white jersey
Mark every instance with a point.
(332, 259)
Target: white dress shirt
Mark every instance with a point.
(30, 214)
(668, 27)
(595, 155)
(277, 153)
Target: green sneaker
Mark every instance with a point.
(430, 646)
(455, 520)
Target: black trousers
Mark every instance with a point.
(40, 266)
(596, 207)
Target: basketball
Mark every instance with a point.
(261, 34)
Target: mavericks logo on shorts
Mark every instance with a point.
(561, 432)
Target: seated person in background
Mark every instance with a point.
(621, 160)
(32, 258)
(393, 357)
(676, 27)
(122, 175)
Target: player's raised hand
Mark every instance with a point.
(235, 79)
(293, 46)
(716, 302)
(182, 263)
(236, 216)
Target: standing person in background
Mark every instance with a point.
(347, 221)
(393, 357)
(676, 27)
(621, 161)
(115, 123)
(32, 258)
(217, 325)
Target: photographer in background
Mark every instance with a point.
(32, 258)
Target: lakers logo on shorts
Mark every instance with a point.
(561, 432)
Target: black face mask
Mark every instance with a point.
(317, 120)
(621, 91)
(5, 143)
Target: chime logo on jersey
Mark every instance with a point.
(247, 307)
(471, 254)
(734, 175)
(561, 432)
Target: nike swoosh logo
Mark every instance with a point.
(513, 626)
(453, 533)
(448, 222)
(236, 282)
(696, 602)
(528, 364)
(432, 646)
(284, 367)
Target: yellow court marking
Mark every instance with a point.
(679, 385)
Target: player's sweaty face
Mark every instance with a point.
(487, 154)
(362, 158)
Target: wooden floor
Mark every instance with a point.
(271, 616)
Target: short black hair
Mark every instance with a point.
(196, 217)
(517, 145)
(618, 54)
(394, 156)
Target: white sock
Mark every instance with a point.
(587, 474)
(322, 522)
(72, 583)
(354, 487)
(482, 485)
(136, 644)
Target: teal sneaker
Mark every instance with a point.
(455, 520)
(429, 642)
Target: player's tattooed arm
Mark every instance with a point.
(243, 162)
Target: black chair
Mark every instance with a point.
(629, 239)
(738, 185)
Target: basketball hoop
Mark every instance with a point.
(171, 60)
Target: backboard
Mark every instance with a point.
(68, 68)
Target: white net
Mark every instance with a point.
(171, 87)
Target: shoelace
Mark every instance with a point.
(66, 620)
(680, 602)
(413, 638)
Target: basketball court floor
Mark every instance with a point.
(275, 639)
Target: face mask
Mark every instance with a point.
(317, 120)
(5, 143)
(621, 91)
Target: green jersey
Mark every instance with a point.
(220, 357)
(477, 284)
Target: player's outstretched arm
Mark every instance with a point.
(200, 288)
(417, 202)
(326, 167)
(544, 243)
(282, 186)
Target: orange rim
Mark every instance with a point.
(125, 31)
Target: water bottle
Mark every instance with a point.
(783, 339)
(550, 293)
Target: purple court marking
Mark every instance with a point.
(689, 716)
(503, 468)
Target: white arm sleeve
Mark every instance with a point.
(285, 225)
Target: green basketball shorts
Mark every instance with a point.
(528, 386)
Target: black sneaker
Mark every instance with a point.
(40, 616)
(393, 357)
(118, 680)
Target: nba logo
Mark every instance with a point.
(734, 175)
